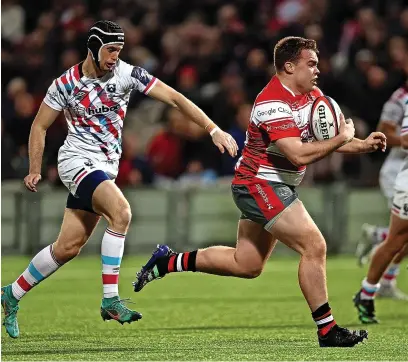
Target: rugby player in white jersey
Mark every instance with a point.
(396, 240)
(273, 162)
(93, 95)
(390, 123)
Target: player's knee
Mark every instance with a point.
(122, 217)
(316, 248)
(321, 249)
(125, 216)
(251, 272)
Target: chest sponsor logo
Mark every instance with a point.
(272, 111)
(282, 127)
(102, 109)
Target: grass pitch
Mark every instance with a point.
(190, 316)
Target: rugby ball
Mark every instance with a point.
(324, 118)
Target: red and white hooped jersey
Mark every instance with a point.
(277, 113)
(95, 108)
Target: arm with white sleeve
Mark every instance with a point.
(147, 84)
(391, 117)
(404, 131)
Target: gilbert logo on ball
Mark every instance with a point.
(324, 118)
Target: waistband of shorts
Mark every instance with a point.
(258, 181)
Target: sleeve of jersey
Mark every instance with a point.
(55, 97)
(142, 80)
(276, 119)
(404, 126)
(392, 111)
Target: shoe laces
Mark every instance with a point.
(121, 307)
(9, 311)
(346, 333)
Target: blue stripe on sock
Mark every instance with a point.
(392, 271)
(34, 272)
(111, 260)
(370, 290)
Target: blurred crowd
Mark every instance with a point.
(217, 53)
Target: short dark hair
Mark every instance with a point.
(288, 50)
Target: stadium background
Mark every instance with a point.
(220, 55)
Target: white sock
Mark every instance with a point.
(113, 244)
(390, 275)
(368, 290)
(41, 267)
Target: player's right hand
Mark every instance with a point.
(346, 128)
(224, 140)
(31, 181)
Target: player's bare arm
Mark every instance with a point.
(389, 128)
(221, 139)
(43, 120)
(300, 153)
(375, 141)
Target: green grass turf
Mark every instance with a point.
(196, 317)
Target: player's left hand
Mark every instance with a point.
(375, 141)
(224, 140)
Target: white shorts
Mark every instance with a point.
(387, 187)
(72, 168)
(400, 204)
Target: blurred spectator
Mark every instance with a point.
(69, 58)
(20, 124)
(12, 21)
(16, 86)
(256, 75)
(197, 174)
(8, 151)
(229, 95)
(165, 150)
(188, 83)
(144, 58)
(134, 170)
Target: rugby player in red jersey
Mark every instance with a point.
(277, 149)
